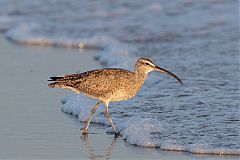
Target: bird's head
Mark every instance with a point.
(145, 65)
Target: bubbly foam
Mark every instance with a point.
(6, 22)
(24, 33)
(145, 132)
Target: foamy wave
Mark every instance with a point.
(117, 55)
(25, 33)
(141, 132)
(81, 107)
(145, 132)
(111, 52)
(6, 22)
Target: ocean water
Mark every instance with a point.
(197, 40)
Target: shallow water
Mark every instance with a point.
(197, 40)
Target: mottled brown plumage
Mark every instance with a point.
(109, 85)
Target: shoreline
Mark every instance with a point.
(32, 123)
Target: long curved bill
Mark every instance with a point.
(169, 73)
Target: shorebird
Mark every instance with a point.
(108, 85)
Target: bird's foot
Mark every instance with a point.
(116, 134)
(85, 131)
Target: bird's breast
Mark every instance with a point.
(126, 92)
(121, 95)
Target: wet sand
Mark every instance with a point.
(32, 125)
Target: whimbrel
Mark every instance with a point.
(109, 85)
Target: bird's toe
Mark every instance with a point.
(85, 131)
(116, 134)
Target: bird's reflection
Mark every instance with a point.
(90, 149)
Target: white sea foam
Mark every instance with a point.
(81, 107)
(146, 132)
(6, 22)
(110, 52)
(141, 132)
(25, 33)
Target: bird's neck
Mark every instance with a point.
(137, 81)
(140, 75)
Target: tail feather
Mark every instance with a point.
(59, 85)
(55, 78)
(56, 83)
(52, 85)
(63, 85)
(62, 82)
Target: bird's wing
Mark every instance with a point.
(99, 81)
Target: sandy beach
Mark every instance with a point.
(32, 125)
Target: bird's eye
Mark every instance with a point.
(147, 64)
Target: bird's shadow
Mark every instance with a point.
(91, 152)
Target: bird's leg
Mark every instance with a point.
(85, 130)
(110, 120)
